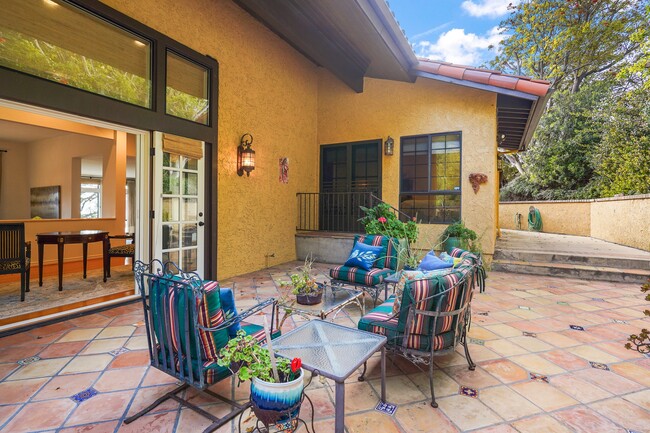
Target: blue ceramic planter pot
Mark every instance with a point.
(278, 397)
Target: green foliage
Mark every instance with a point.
(246, 357)
(569, 41)
(624, 153)
(303, 282)
(381, 220)
(468, 238)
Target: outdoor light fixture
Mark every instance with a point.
(245, 155)
(388, 146)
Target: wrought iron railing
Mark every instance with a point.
(336, 211)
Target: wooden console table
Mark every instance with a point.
(62, 238)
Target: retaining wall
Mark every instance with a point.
(622, 220)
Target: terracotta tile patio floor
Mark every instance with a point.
(535, 373)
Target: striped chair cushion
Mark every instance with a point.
(360, 276)
(387, 257)
(212, 372)
(209, 314)
(420, 292)
(379, 321)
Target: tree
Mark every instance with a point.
(567, 41)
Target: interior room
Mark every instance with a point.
(59, 175)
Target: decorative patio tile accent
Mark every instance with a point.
(30, 360)
(523, 307)
(598, 299)
(476, 341)
(84, 395)
(562, 303)
(538, 377)
(529, 334)
(632, 431)
(483, 313)
(468, 392)
(119, 351)
(619, 321)
(599, 365)
(387, 408)
(576, 328)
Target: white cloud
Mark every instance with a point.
(487, 8)
(456, 46)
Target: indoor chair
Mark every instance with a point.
(122, 250)
(188, 321)
(432, 317)
(15, 254)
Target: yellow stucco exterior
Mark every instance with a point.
(266, 88)
(291, 107)
(402, 109)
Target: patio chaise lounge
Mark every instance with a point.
(432, 317)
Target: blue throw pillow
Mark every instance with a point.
(430, 263)
(363, 256)
(228, 306)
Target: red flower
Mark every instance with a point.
(381, 220)
(296, 363)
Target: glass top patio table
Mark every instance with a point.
(333, 351)
(333, 302)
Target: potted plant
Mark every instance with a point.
(304, 285)
(381, 220)
(457, 235)
(276, 384)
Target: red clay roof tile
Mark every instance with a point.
(484, 76)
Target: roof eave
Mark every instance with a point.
(533, 120)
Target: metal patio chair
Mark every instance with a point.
(433, 317)
(186, 327)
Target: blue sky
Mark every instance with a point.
(457, 31)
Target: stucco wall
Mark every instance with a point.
(424, 107)
(566, 217)
(622, 220)
(267, 89)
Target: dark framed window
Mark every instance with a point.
(430, 173)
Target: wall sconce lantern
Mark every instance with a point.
(388, 146)
(245, 155)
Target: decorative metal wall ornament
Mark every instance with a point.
(245, 155)
(477, 179)
(284, 170)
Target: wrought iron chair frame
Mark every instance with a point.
(192, 286)
(24, 252)
(461, 327)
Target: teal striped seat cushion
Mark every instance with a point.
(360, 276)
(379, 321)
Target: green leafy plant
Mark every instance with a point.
(467, 237)
(381, 220)
(246, 358)
(641, 341)
(303, 282)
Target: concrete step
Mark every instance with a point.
(609, 261)
(586, 272)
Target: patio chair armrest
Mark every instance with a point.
(242, 315)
